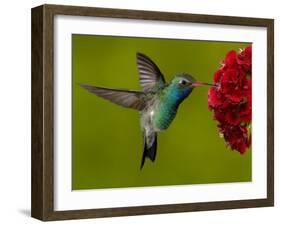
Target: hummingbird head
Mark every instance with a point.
(183, 84)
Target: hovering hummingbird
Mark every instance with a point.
(157, 103)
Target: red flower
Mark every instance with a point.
(217, 76)
(245, 113)
(233, 84)
(245, 59)
(231, 99)
(237, 137)
(230, 60)
(239, 114)
(215, 98)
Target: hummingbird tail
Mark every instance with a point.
(149, 148)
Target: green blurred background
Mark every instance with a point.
(107, 139)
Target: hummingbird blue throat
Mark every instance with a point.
(157, 102)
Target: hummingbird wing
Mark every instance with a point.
(149, 74)
(125, 98)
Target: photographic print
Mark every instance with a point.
(156, 112)
(141, 112)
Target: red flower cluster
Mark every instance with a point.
(231, 99)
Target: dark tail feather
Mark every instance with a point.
(149, 152)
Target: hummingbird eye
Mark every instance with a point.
(183, 82)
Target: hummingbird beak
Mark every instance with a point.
(196, 84)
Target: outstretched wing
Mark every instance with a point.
(150, 75)
(125, 98)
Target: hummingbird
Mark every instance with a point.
(157, 102)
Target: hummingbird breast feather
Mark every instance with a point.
(163, 118)
(157, 116)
